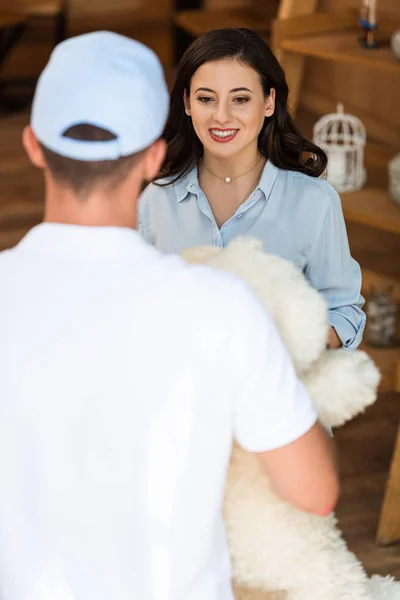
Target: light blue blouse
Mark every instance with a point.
(295, 216)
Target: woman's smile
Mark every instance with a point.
(222, 136)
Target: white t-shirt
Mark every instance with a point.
(125, 374)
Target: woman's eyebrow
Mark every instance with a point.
(238, 89)
(241, 89)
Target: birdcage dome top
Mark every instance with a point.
(340, 129)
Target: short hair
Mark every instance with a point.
(84, 176)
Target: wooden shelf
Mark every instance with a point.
(372, 206)
(198, 22)
(343, 47)
(334, 36)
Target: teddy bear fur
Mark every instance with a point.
(279, 552)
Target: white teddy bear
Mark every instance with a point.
(278, 551)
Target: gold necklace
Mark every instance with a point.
(229, 179)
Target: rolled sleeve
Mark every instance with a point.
(337, 276)
(349, 335)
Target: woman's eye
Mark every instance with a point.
(204, 99)
(241, 100)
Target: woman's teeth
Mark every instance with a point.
(223, 134)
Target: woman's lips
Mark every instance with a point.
(222, 136)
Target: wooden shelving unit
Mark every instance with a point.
(333, 37)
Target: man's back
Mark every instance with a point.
(108, 392)
(125, 375)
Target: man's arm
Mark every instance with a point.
(304, 472)
(275, 418)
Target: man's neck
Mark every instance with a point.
(95, 210)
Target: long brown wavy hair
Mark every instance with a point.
(279, 140)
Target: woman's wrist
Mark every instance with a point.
(334, 340)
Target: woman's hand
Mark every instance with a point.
(334, 341)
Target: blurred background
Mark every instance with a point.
(318, 43)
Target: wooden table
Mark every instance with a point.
(11, 27)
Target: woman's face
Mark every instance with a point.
(227, 106)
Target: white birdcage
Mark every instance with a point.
(343, 138)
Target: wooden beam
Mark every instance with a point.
(397, 386)
(292, 64)
(294, 8)
(389, 522)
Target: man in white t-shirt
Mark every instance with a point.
(126, 374)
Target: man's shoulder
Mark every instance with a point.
(6, 257)
(214, 291)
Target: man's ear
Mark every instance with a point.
(153, 159)
(32, 148)
(186, 102)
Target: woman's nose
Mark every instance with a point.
(222, 113)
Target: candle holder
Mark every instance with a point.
(343, 138)
(369, 24)
(394, 178)
(395, 44)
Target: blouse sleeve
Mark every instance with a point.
(333, 272)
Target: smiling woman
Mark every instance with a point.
(236, 165)
(232, 74)
(221, 114)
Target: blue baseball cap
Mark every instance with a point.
(103, 79)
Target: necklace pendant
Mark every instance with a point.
(228, 179)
